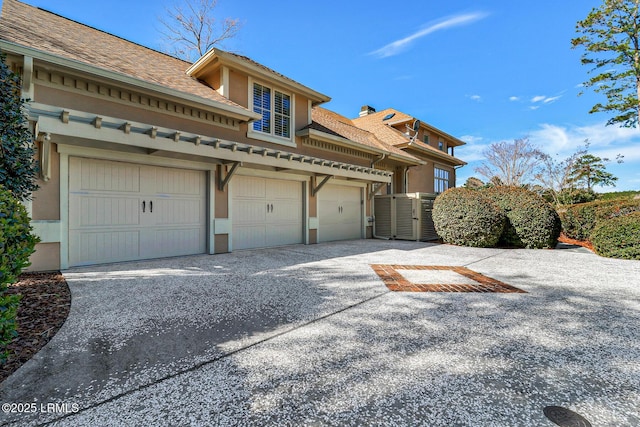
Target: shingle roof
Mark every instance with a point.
(45, 31)
(375, 124)
(335, 124)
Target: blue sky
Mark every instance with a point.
(483, 71)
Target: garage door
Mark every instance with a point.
(266, 212)
(122, 211)
(339, 213)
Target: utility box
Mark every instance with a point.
(405, 216)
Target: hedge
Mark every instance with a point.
(618, 237)
(466, 217)
(580, 220)
(531, 221)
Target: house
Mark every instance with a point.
(143, 155)
(429, 144)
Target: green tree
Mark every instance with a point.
(590, 170)
(18, 167)
(610, 36)
(473, 182)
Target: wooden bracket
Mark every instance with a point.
(318, 187)
(222, 182)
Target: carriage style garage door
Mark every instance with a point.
(339, 213)
(266, 212)
(122, 211)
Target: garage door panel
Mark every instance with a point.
(98, 175)
(246, 237)
(87, 211)
(101, 247)
(182, 241)
(249, 212)
(283, 234)
(178, 211)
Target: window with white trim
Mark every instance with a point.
(275, 108)
(441, 180)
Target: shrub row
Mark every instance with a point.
(578, 221)
(487, 217)
(618, 237)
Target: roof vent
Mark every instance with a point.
(388, 116)
(366, 110)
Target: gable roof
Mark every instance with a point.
(334, 124)
(53, 36)
(385, 130)
(216, 57)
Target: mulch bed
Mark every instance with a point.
(584, 243)
(44, 307)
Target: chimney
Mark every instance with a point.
(366, 110)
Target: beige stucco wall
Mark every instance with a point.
(46, 200)
(421, 179)
(45, 258)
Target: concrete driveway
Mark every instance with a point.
(310, 335)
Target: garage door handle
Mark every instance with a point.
(271, 207)
(151, 206)
(143, 205)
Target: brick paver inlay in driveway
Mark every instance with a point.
(438, 278)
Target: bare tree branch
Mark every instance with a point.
(510, 163)
(191, 29)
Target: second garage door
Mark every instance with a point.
(266, 212)
(339, 213)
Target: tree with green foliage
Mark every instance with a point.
(590, 170)
(610, 36)
(18, 168)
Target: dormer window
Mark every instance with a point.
(275, 108)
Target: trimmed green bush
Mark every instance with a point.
(16, 245)
(580, 220)
(618, 237)
(531, 221)
(466, 217)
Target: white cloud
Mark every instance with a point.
(604, 141)
(551, 99)
(396, 47)
(476, 97)
(514, 98)
(538, 98)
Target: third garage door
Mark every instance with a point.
(339, 213)
(266, 212)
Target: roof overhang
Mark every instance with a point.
(344, 142)
(456, 142)
(215, 58)
(78, 128)
(432, 153)
(72, 65)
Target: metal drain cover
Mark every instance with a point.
(565, 417)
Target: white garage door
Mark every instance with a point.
(266, 212)
(122, 211)
(339, 213)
